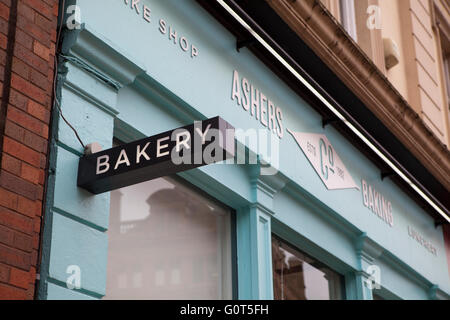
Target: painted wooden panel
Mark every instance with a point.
(76, 202)
(430, 87)
(423, 36)
(426, 5)
(422, 15)
(430, 124)
(428, 62)
(57, 292)
(75, 244)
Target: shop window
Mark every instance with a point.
(297, 276)
(166, 240)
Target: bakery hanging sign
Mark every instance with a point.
(202, 143)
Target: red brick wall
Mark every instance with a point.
(26, 83)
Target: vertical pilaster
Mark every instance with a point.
(255, 237)
(435, 293)
(254, 253)
(362, 281)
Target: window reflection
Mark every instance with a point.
(166, 241)
(299, 277)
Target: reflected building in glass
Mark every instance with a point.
(299, 277)
(167, 242)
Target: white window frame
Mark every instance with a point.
(348, 17)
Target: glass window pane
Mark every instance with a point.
(167, 241)
(297, 276)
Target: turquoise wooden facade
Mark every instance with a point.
(122, 77)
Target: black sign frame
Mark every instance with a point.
(134, 163)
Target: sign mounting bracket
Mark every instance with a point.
(386, 174)
(244, 43)
(327, 121)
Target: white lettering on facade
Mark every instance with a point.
(162, 26)
(147, 13)
(184, 44)
(256, 102)
(376, 202)
(134, 5)
(173, 35)
(421, 240)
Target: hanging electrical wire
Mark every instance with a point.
(58, 105)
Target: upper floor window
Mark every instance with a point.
(441, 27)
(344, 11)
(446, 65)
(348, 18)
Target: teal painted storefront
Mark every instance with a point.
(123, 78)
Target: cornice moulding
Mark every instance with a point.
(324, 35)
(102, 55)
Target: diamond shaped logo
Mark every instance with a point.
(325, 160)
